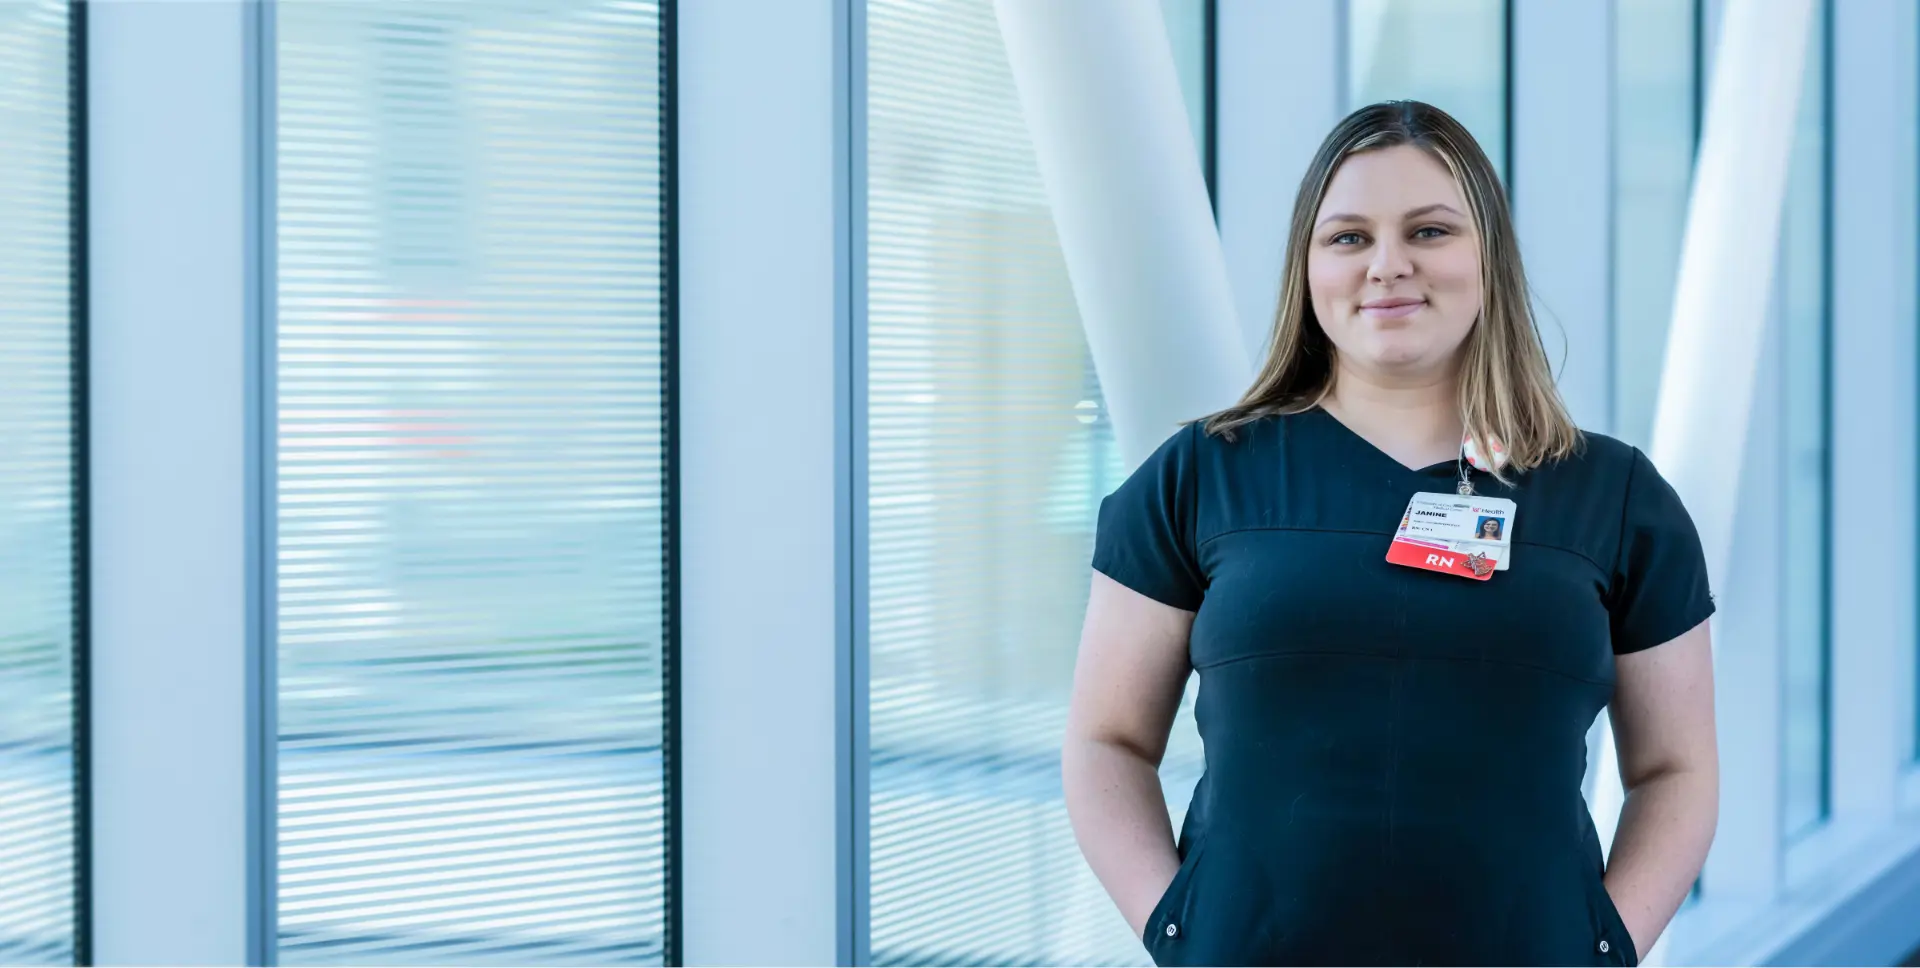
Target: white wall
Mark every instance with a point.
(764, 479)
(173, 457)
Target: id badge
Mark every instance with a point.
(1458, 534)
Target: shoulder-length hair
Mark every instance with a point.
(1506, 388)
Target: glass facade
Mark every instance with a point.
(1452, 55)
(471, 482)
(1803, 399)
(989, 449)
(38, 485)
(1655, 128)
(468, 485)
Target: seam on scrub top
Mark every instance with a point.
(1583, 556)
(1411, 658)
(1620, 541)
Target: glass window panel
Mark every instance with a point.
(470, 482)
(989, 449)
(1187, 27)
(1655, 78)
(1804, 414)
(37, 485)
(1449, 53)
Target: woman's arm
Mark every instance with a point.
(1663, 728)
(1127, 683)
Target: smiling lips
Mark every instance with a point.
(1396, 308)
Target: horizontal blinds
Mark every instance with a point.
(989, 449)
(37, 451)
(470, 482)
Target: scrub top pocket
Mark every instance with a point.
(1167, 925)
(1612, 944)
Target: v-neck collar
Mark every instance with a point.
(1442, 469)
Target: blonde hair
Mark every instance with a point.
(1506, 387)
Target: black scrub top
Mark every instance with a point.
(1394, 756)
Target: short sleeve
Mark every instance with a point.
(1660, 588)
(1145, 535)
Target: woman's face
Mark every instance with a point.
(1489, 529)
(1393, 266)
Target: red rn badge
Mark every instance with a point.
(1457, 534)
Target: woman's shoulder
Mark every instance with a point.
(1199, 447)
(1240, 435)
(1603, 464)
(1597, 454)
(1599, 449)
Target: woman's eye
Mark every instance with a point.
(1346, 238)
(1435, 230)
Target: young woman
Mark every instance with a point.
(1395, 751)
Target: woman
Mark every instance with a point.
(1490, 529)
(1394, 755)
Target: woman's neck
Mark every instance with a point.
(1416, 423)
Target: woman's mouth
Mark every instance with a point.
(1395, 308)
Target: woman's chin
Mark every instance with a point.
(1406, 360)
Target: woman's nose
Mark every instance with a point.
(1389, 263)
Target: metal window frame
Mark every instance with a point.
(670, 660)
(82, 520)
(263, 665)
(853, 672)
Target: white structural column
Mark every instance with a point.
(1562, 189)
(764, 479)
(175, 503)
(1270, 115)
(1102, 100)
(1727, 261)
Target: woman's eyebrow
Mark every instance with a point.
(1343, 217)
(1412, 213)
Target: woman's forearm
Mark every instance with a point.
(1666, 827)
(1119, 818)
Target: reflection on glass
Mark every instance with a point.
(37, 486)
(1449, 53)
(1654, 131)
(989, 451)
(1804, 417)
(470, 482)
